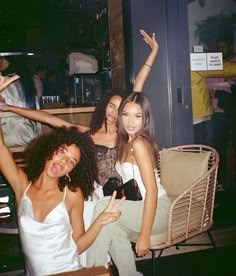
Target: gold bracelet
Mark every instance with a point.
(148, 65)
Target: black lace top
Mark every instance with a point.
(106, 159)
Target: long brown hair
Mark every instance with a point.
(147, 129)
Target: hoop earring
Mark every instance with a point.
(67, 176)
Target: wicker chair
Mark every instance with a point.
(191, 211)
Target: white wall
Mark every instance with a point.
(212, 7)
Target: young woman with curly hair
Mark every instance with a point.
(42, 149)
(59, 174)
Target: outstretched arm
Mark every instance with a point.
(39, 116)
(14, 175)
(146, 68)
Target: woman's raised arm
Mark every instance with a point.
(14, 175)
(146, 68)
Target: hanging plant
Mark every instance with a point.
(214, 28)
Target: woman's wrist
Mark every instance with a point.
(98, 221)
(7, 107)
(3, 107)
(154, 51)
(150, 66)
(145, 233)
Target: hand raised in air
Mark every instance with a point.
(150, 40)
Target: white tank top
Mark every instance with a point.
(48, 246)
(129, 171)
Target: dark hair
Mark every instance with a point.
(10, 69)
(51, 74)
(99, 115)
(40, 67)
(42, 149)
(147, 129)
(227, 41)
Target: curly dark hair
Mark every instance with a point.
(42, 149)
(99, 115)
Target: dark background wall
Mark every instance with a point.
(51, 27)
(168, 86)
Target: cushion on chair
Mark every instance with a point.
(180, 169)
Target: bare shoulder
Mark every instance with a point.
(74, 198)
(75, 195)
(140, 143)
(143, 153)
(141, 148)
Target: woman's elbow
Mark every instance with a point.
(153, 191)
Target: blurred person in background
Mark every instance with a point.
(38, 79)
(18, 131)
(221, 97)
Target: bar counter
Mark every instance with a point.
(56, 110)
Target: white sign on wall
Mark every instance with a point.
(206, 61)
(198, 61)
(214, 61)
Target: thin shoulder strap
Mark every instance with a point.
(64, 194)
(27, 188)
(132, 159)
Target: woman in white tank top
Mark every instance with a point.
(50, 192)
(137, 158)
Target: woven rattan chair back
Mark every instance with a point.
(191, 212)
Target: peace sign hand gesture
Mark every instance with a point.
(111, 213)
